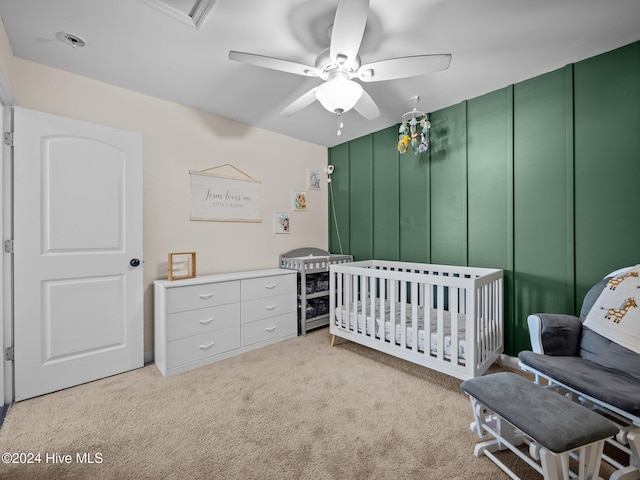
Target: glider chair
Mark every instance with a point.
(595, 360)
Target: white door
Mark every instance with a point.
(78, 306)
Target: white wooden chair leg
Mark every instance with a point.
(632, 472)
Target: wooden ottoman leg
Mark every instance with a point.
(554, 466)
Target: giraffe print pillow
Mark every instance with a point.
(615, 314)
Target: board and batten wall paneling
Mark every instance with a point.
(386, 210)
(339, 240)
(448, 187)
(558, 156)
(414, 207)
(361, 198)
(607, 165)
(490, 189)
(543, 203)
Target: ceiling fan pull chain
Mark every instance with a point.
(340, 122)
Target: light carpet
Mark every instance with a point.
(298, 409)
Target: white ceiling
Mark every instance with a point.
(157, 49)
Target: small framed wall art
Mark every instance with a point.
(282, 222)
(182, 265)
(313, 179)
(299, 201)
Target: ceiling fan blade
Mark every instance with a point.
(348, 29)
(274, 63)
(403, 67)
(367, 107)
(299, 103)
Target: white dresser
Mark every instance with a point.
(208, 318)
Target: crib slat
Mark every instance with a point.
(372, 306)
(428, 308)
(440, 322)
(414, 316)
(403, 314)
(392, 319)
(453, 310)
(485, 323)
(382, 307)
(362, 324)
(339, 298)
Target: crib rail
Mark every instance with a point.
(444, 317)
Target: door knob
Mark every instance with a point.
(134, 262)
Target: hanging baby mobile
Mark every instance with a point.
(414, 130)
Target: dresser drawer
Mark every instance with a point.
(191, 297)
(268, 328)
(268, 286)
(197, 347)
(268, 307)
(194, 322)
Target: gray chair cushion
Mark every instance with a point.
(597, 349)
(591, 297)
(560, 334)
(605, 384)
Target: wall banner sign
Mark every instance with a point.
(217, 196)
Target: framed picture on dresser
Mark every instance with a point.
(182, 265)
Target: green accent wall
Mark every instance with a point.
(448, 187)
(414, 218)
(386, 202)
(490, 189)
(607, 167)
(538, 179)
(543, 199)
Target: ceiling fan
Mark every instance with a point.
(340, 64)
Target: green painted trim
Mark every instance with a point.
(465, 193)
(570, 167)
(508, 287)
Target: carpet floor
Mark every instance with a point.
(298, 409)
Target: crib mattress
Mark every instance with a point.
(358, 321)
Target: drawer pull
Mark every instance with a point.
(271, 329)
(206, 322)
(206, 347)
(206, 296)
(270, 307)
(270, 287)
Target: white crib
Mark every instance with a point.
(443, 317)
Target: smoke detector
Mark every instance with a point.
(70, 39)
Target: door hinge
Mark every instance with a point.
(8, 354)
(8, 246)
(8, 138)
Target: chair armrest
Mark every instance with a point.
(555, 334)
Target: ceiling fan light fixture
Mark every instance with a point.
(339, 94)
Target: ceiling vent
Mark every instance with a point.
(71, 39)
(189, 12)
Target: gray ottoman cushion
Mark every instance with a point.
(552, 420)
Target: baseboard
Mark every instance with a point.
(511, 362)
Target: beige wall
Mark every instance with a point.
(178, 139)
